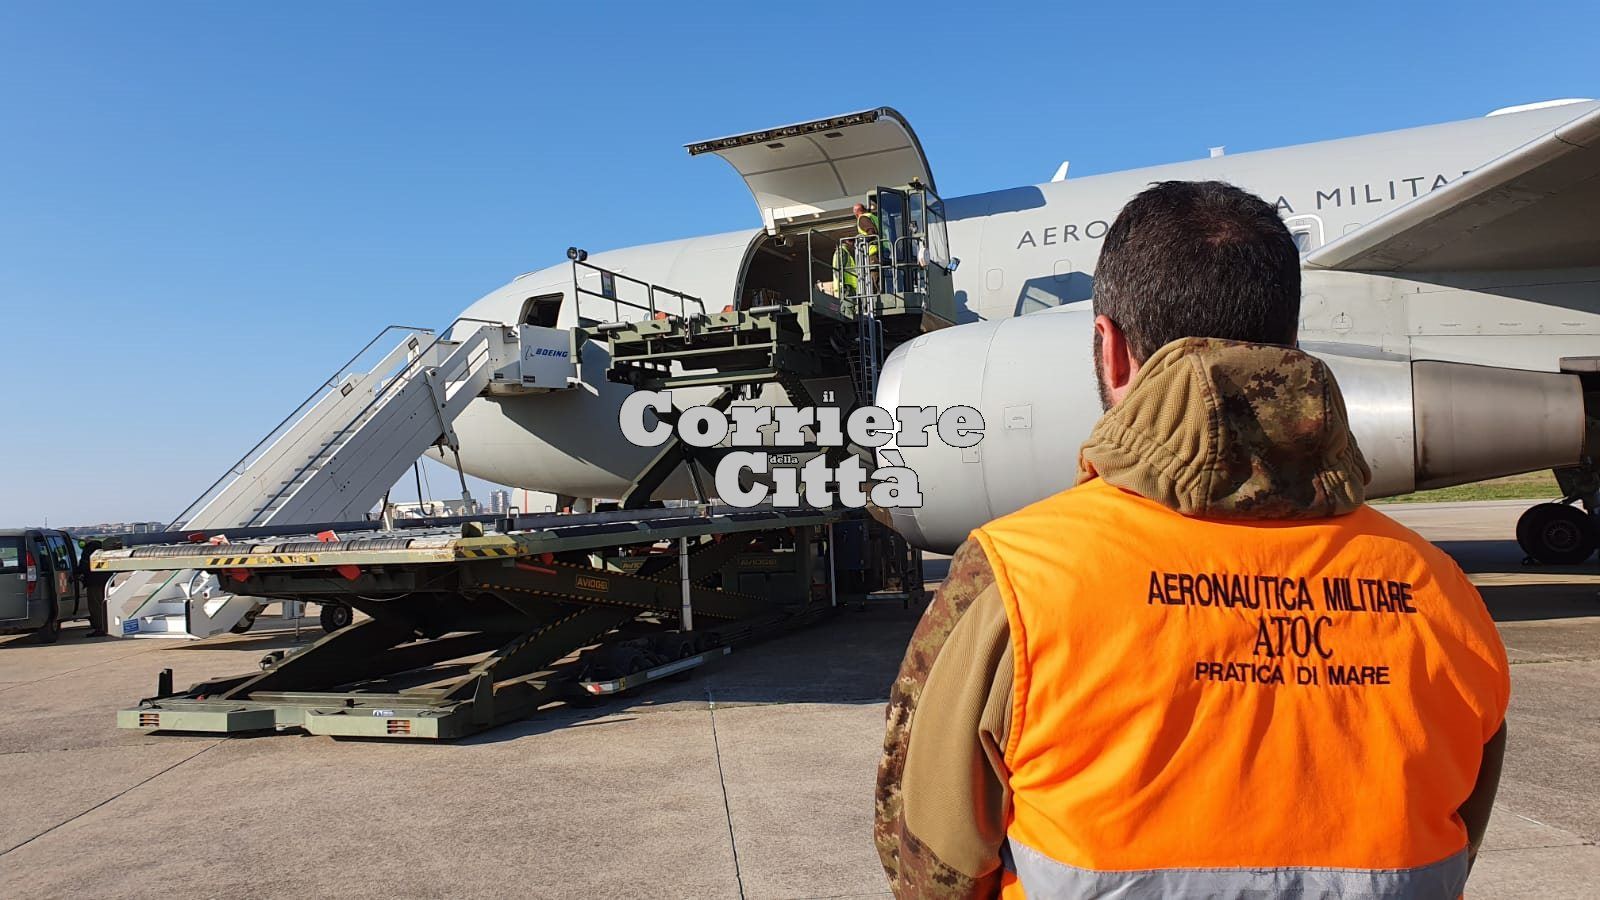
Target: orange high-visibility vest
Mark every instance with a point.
(1211, 707)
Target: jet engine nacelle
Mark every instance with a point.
(1420, 424)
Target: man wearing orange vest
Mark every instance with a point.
(1209, 669)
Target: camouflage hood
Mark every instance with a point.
(1223, 429)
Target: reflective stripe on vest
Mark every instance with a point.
(1307, 700)
(1043, 878)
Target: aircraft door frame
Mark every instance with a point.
(894, 231)
(1308, 225)
(936, 230)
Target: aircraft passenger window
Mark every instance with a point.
(543, 310)
(1302, 241)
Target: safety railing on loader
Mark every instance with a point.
(855, 272)
(610, 289)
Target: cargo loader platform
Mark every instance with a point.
(466, 630)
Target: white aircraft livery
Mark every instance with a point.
(1451, 279)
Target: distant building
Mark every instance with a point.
(499, 502)
(107, 529)
(432, 509)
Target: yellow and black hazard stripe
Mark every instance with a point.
(263, 559)
(485, 552)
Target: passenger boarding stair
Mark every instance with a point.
(337, 455)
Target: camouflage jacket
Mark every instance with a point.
(1210, 428)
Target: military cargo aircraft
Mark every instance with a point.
(1451, 279)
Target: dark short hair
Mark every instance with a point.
(1198, 259)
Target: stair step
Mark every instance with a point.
(169, 625)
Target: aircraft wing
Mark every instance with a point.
(1533, 208)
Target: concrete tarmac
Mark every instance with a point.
(753, 778)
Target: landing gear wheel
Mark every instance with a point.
(335, 616)
(51, 630)
(1556, 534)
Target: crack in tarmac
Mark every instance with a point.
(11, 685)
(122, 793)
(722, 782)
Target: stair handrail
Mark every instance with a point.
(378, 396)
(239, 465)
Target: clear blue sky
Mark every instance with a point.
(205, 206)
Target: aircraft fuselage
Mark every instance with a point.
(1033, 248)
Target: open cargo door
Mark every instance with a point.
(799, 173)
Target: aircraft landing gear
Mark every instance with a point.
(1556, 534)
(1565, 533)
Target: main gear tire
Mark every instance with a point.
(1556, 534)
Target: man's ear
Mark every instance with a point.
(1117, 366)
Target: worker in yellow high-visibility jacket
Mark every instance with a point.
(869, 238)
(845, 282)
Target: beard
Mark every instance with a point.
(1100, 376)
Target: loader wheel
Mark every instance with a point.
(1556, 534)
(246, 622)
(335, 616)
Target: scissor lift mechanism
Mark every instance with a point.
(650, 592)
(467, 631)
